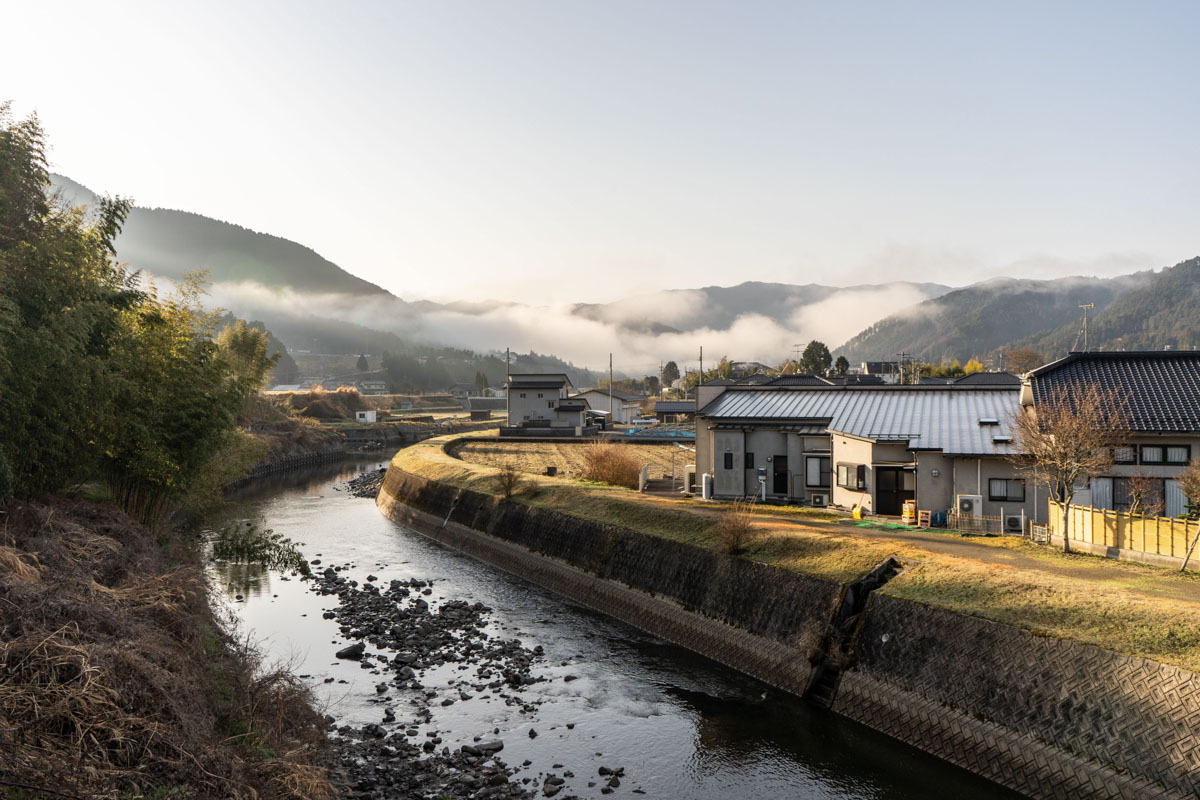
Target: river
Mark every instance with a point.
(680, 725)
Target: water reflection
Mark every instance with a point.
(681, 725)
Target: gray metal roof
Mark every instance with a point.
(924, 417)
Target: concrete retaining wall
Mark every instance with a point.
(1046, 717)
(692, 597)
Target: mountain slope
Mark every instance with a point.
(172, 243)
(1163, 310)
(985, 316)
(718, 307)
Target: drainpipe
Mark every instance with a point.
(979, 477)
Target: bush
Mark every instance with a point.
(511, 482)
(735, 529)
(611, 463)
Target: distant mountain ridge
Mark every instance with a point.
(171, 243)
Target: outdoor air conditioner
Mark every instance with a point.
(970, 505)
(820, 500)
(1014, 523)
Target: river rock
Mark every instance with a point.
(354, 652)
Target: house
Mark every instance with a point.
(624, 405)
(674, 410)
(889, 371)
(544, 401)
(1162, 389)
(370, 415)
(461, 390)
(870, 446)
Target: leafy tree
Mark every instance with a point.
(670, 373)
(651, 384)
(361, 365)
(481, 380)
(1067, 438)
(816, 358)
(973, 366)
(841, 366)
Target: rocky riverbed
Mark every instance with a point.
(398, 634)
(366, 484)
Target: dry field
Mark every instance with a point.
(534, 457)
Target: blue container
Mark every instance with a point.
(937, 519)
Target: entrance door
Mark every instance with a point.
(780, 474)
(892, 487)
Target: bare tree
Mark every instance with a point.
(1145, 496)
(1189, 482)
(1068, 438)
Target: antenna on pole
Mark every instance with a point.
(1085, 308)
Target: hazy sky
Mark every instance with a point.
(570, 151)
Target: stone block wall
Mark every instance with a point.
(1048, 717)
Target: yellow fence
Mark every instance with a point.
(1164, 536)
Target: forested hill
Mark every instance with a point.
(1162, 310)
(171, 243)
(983, 317)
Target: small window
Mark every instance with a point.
(522, 394)
(550, 404)
(540, 395)
(1152, 454)
(1124, 455)
(852, 476)
(816, 472)
(729, 461)
(1180, 454)
(749, 460)
(1006, 490)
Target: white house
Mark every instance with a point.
(544, 401)
(625, 406)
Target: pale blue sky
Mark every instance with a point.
(496, 149)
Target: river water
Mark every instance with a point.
(680, 725)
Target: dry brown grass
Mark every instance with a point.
(611, 463)
(116, 681)
(568, 457)
(735, 528)
(321, 404)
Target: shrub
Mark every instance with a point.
(245, 543)
(511, 482)
(735, 528)
(611, 463)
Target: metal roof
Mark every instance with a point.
(486, 404)
(674, 406)
(618, 394)
(1161, 388)
(923, 417)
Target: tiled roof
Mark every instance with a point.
(1161, 387)
(989, 379)
(674, 406)
(802, 379)
(924, 417)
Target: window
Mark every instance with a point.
(729, 461)
(539, 395)
(852, 476)
(1180, 454)
(1006, 490)
(522, 394)
(1152, 454)
(1125, 455)
(549, 404)
(749, 460)
(1152, 499)
(816, 471)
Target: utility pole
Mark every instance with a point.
(610, 416)
(507, 389)
(1085, 308)
(902, 356)
(796, 359)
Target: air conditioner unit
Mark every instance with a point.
(1014, 523)
(970, 505)
(820, 500)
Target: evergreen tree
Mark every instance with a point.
(361, 365)
(670, 373)
(816, 358)
(841, 366)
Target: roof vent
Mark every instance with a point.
(1001, 439)
(988, 421)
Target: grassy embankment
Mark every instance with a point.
(1131, 608)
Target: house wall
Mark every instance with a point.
(764, 445)
(971, 476)
(934, 492)
(729, 482)
(1175, 499)
(853, 451)
(623, 411)
(531, 404)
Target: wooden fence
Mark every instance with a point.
(1160, 536)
